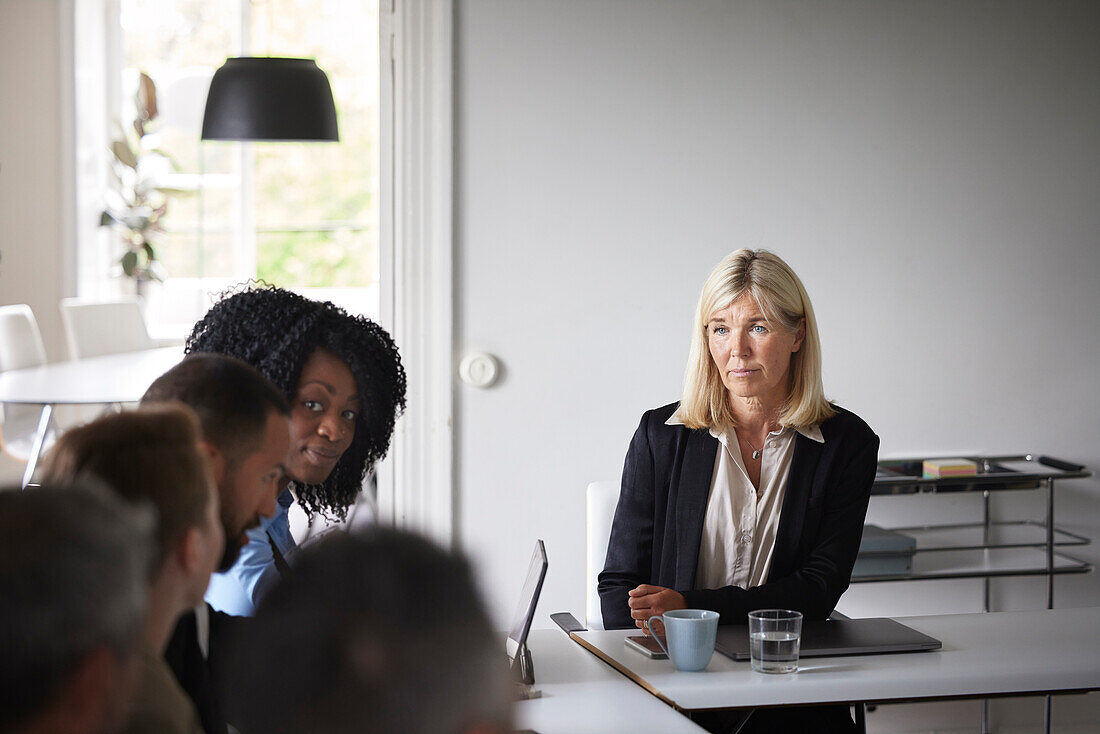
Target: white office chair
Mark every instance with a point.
(20, 346)
(600, 501)
(20, 340)
(98, 328)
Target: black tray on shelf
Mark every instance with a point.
(1018, 471)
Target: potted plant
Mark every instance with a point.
(137, 203)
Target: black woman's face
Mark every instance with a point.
(322, 417)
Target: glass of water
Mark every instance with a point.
(773, 640)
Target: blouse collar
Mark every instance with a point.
(811, 432)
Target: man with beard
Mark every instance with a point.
(246, 433)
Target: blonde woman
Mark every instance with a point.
(751, 491)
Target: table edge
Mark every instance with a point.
(622, 669)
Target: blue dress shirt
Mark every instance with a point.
(238, 590)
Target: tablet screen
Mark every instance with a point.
(528, 599)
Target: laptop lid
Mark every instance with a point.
(528, 600)
(836, 637)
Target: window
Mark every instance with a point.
(303, 216)
(412, 263)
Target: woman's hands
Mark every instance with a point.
(647, 600)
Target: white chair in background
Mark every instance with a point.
(600, 501)
(20, 340)
(20, 346)
(98, 328)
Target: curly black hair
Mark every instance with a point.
(276, 331)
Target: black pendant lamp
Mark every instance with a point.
(269, 98)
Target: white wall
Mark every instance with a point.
(930, 169)
(30, 163)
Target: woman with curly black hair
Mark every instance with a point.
(346, 386)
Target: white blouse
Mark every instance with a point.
(741, 521)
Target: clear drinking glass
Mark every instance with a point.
(774, 635)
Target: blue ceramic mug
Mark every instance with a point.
(690, 634)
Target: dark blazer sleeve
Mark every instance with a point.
(185, 658)
(226, 633)
(832, 516)
(630, 547)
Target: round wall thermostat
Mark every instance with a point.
(479, 369)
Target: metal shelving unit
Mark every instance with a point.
(988, 549)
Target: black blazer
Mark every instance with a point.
(659, 520)
(185, 658)
(203, 678)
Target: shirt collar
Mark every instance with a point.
(811, 432)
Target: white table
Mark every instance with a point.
(116, 378)
(988, 654)
(582, 694)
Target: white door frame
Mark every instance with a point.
(416, 484)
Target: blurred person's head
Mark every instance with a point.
(341, 373)
(378, 632)
(74, 562)
(154, 456)
(245, 429)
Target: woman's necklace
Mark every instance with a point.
(755, 451)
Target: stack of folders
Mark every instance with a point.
(936, 468)
(884, 553)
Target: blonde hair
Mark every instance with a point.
(770, 282)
